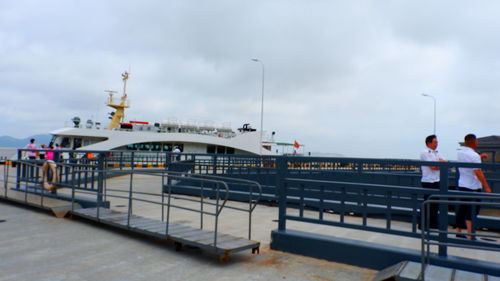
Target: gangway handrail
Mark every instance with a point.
(34, 165)
(92, 167)
(216, 213)
(226, 179)
(426, 237)
(251, 206)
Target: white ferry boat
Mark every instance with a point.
(160, 136)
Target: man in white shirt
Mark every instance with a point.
(177, 151)
(470, 180)
(430, 175)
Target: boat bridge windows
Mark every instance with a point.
(219, 149)
(153, 146)
(77, 142)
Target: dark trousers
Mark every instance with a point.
(433, 208)
(465, 212)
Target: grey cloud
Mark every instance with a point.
(340, 77)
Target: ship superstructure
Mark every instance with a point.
(189, 137)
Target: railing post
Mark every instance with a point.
(214, 170)
(443, 209)
(121, 160)
(281, 171)
(168, 160)
(18, 170)
(100, 178)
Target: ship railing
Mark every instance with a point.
(439, 237)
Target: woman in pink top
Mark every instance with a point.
(31, 154)
(49, 155)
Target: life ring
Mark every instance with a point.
(49, 183)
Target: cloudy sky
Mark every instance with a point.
(340, 76)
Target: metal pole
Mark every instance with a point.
(434, 99)
(261, 106)
(434, 115)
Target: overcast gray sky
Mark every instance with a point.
(341, 76)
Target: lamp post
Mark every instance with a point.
(434, 99)
(261, 106)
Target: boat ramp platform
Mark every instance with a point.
(221, 244)
(131, 194)
(60, 208)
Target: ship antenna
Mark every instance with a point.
(125, 78)
(119, 113)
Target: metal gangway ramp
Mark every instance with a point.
(211, 240)
(30, 192)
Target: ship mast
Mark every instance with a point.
(119, 113)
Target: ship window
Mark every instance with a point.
(77, 142)
(65, 142)
(167, 147)
(130, 147)
(221, 149)
(210, 148)
(230, 150)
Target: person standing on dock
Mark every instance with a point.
(41, 154)
(470, 180)
(31, 153)
(430, 175)
(177, 152)
(49, 155)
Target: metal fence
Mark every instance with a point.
(214, 186)
(331, 189)
(373, 207)
(440, 237)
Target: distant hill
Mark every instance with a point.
(6, 141)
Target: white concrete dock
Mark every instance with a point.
(35, 245)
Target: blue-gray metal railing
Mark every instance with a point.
(442, 239)
(264, 169)
(363, 199)
(31, 175)
(6, 178)
(220, 195)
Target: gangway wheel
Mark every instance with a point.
(256, 250)
(178, 246)
(224, 258)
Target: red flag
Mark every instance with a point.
(296, 144)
